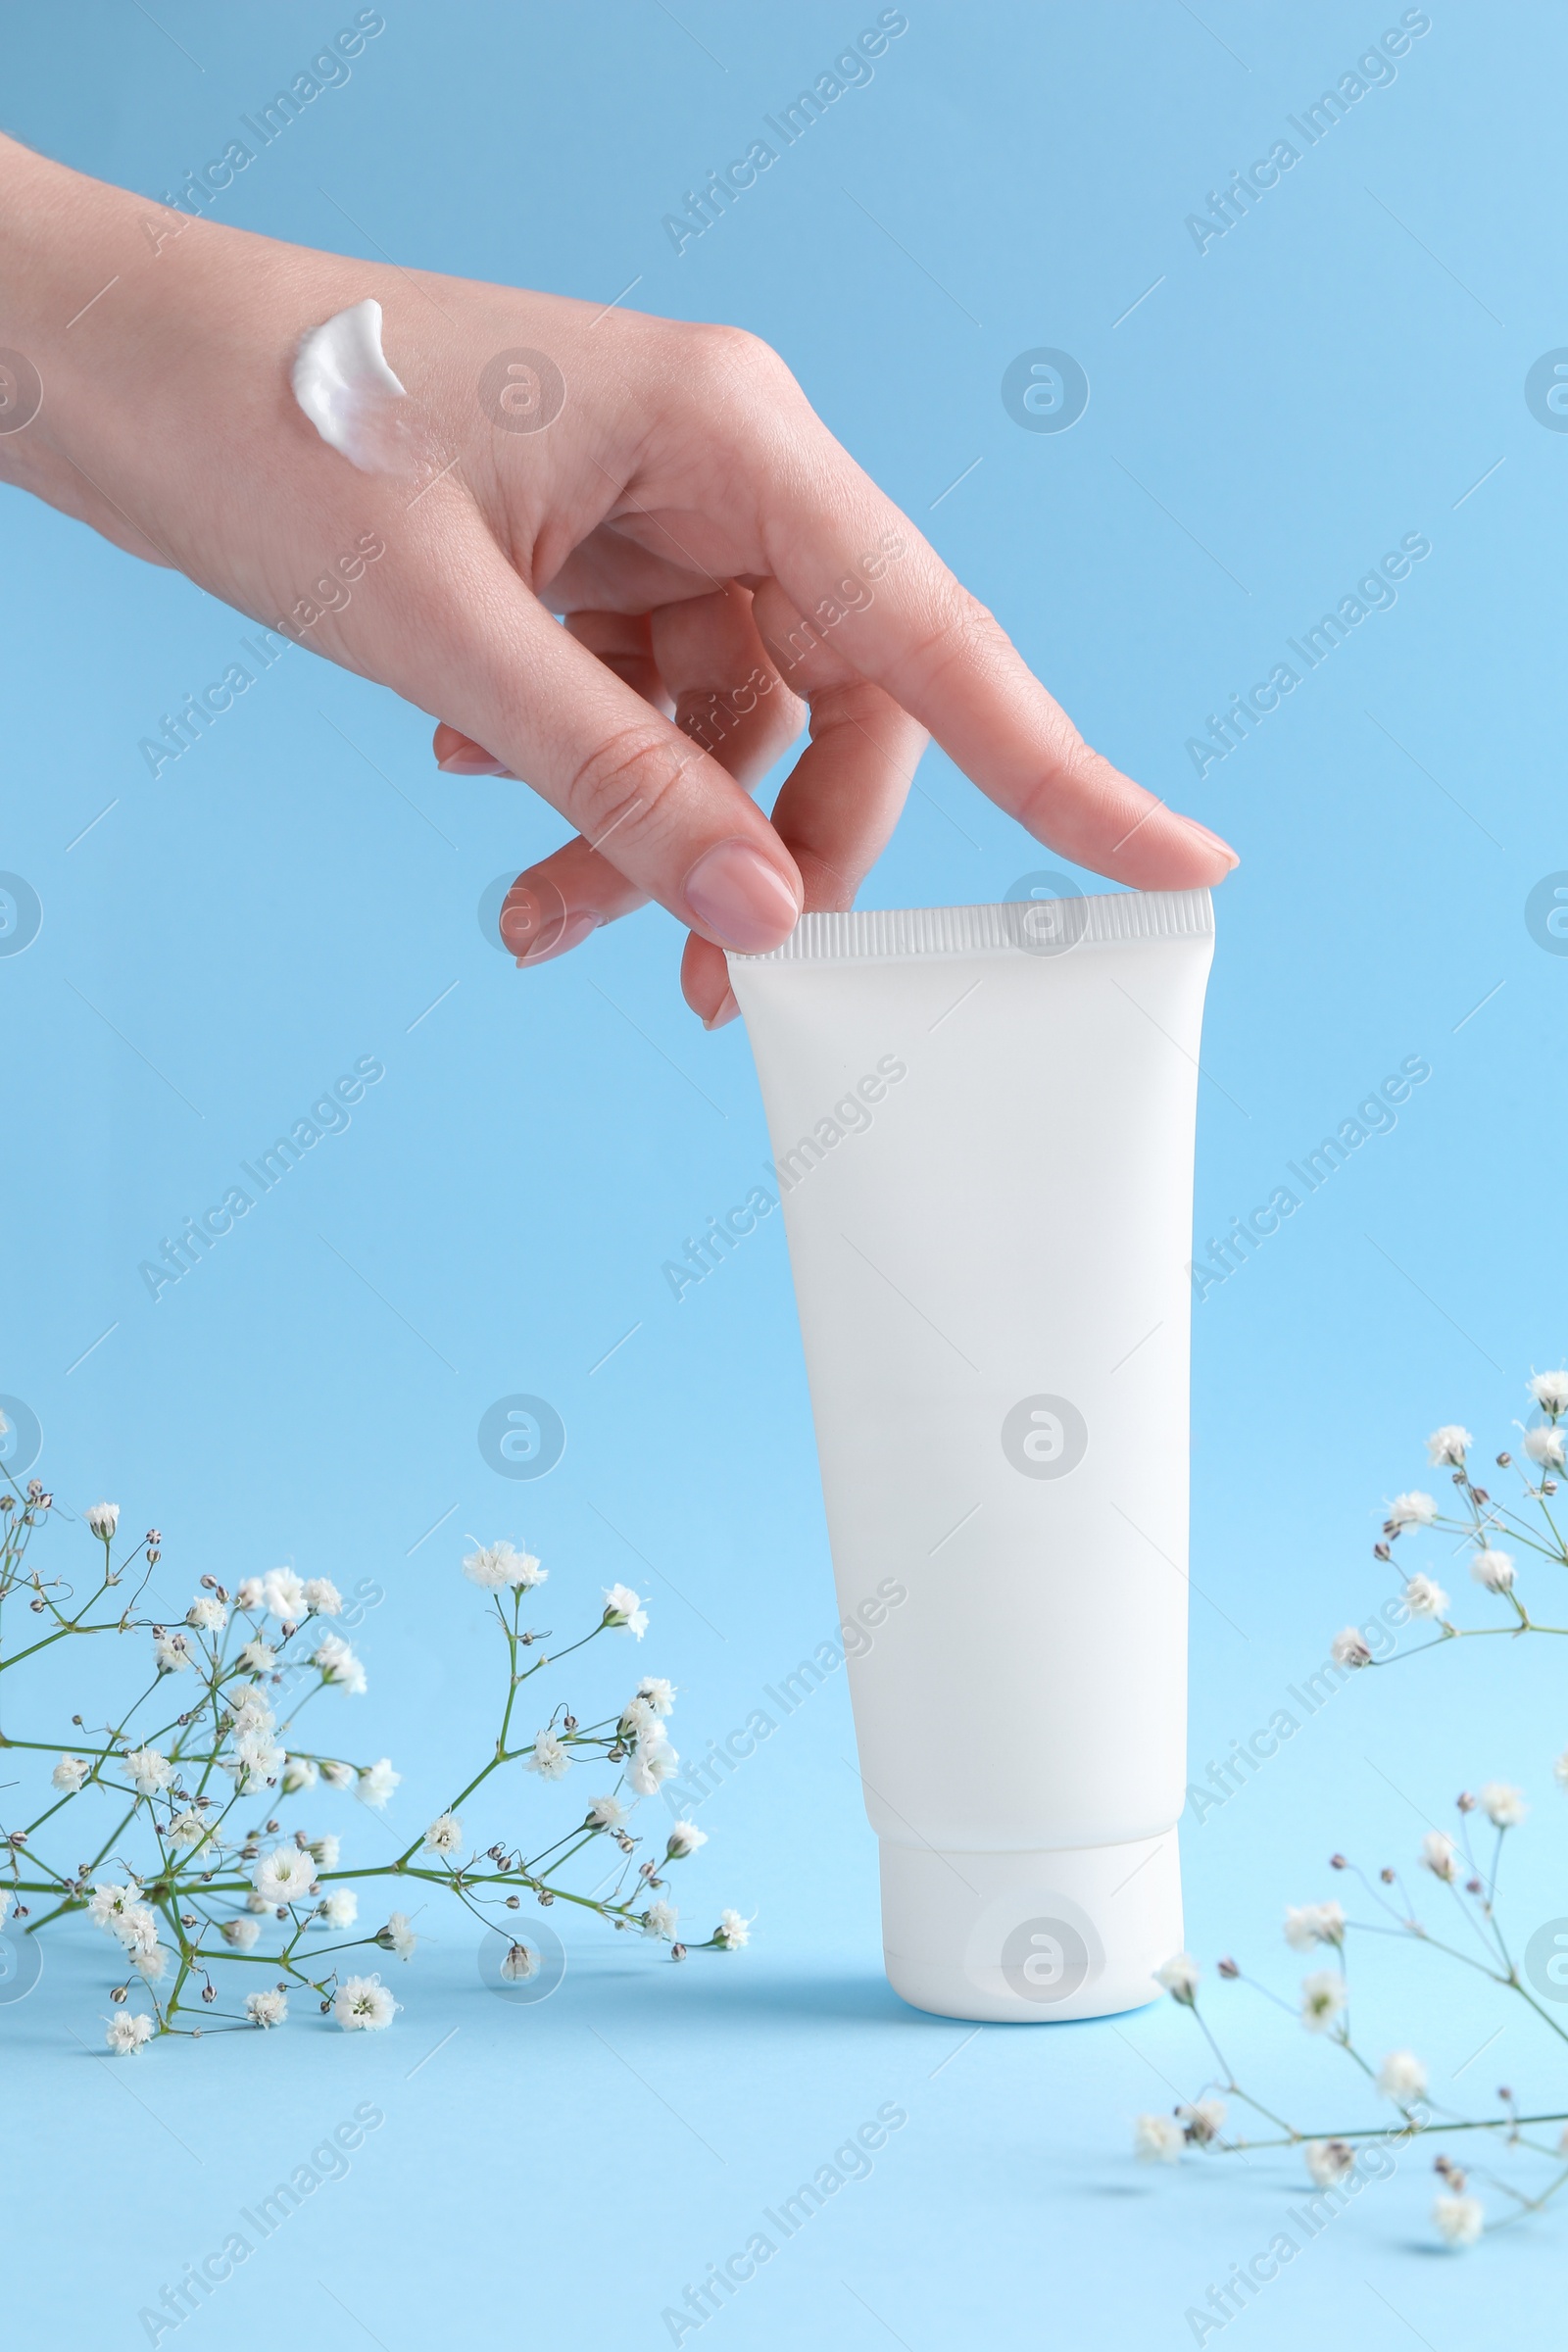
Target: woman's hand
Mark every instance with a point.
(723, 567)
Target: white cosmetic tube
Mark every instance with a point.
(982, 1120)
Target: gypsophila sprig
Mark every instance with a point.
(1448, 1902)
(215, 1906)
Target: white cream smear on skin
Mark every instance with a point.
(343, 383)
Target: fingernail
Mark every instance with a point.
(470, 763)
(571, 934)
(1213, 840)
(726, 1013)
(746, 903)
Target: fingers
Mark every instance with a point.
(862, 579)
(520, 686)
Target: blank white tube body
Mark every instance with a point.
(982, 1119)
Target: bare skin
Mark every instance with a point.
(725, 570)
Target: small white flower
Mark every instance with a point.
(363, 2004)
(150, 1961)
(1158, 2139)
(206, 1613)
(284, 1593)
(606, 1813)
(496, 1567)
(1328, 2161)
(1414, 1509)
(444, 1836)
(1504, 1805)
(241, 1934)
(147, 1770)
(1306, 1924)
(284, 1873)
(518, 1963)
(257, 1657)
(325, 1851)
(1440, 1855)
(1424, 1598)
(623, 1608)
(398, 1936)
(1545, 1446)
(337, 1776)
(323, 1597)
(107, 1904)
(1180, 1976)
(252, 1593)
(187, 1828)
(247, 1706)
(546, 1758)
(341, 1908)
(684, 1838)
(269, 2008)
(1203, 2121)
(1460, 2219)
(654, 1762)
(299, 1773)
(338, 1665)
(1401, 2077)
(171, 1653)
(1324, 1995)
(1447, 1447)
(137, 1926)
(1492, 1569)
(70, 1773)
(660, 1920)
(128, 2031)
(659, 1694)
(102, 1518)
(1348, 1649)
(733, 1931)
(7, 1894)
(376, 1783)
(1550, 1392)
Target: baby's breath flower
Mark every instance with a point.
(284, 1873)
(1324, 1995)
(1447, 1447)
(128, 2031)
(1347, 1648)
(241, 1934)
(257, 1657)
(546, 1758)
(323, 1597)
(102, 1518)
(1504, 1805)
(1328, 2161)
(1180, 1976)
(206, 1613)
(1550, 1392)
(623, 1607)
(251, 1594)
(147, 1770)
(325, 1851)
(1440, 1855)
(1401, 2077)
(654, 1762)
(299, 1773)
(1203, 2120)
(341, 1908)
(518, 1963)
(1158, 2139)
(363, 2004)
(269, 2008)
(1459, 2219)
(659, 1693)
(398, 1936)
(186, 1829)
(171, 1653)
(1424, 1598)
(337, 1663)
(733, 1931)
(499, 1567)
(284, 1593)
(660, 1920)
(444, 1836)
(684, 1838)
(337, 1776)
(1492, 1569)
(150, 1960)
(1545, 1446)
(1306, 1924)
(70, 1774)
(375, 1784)
(606, 1813)
(1414, 1509)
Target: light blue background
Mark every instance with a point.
(1339, 370)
